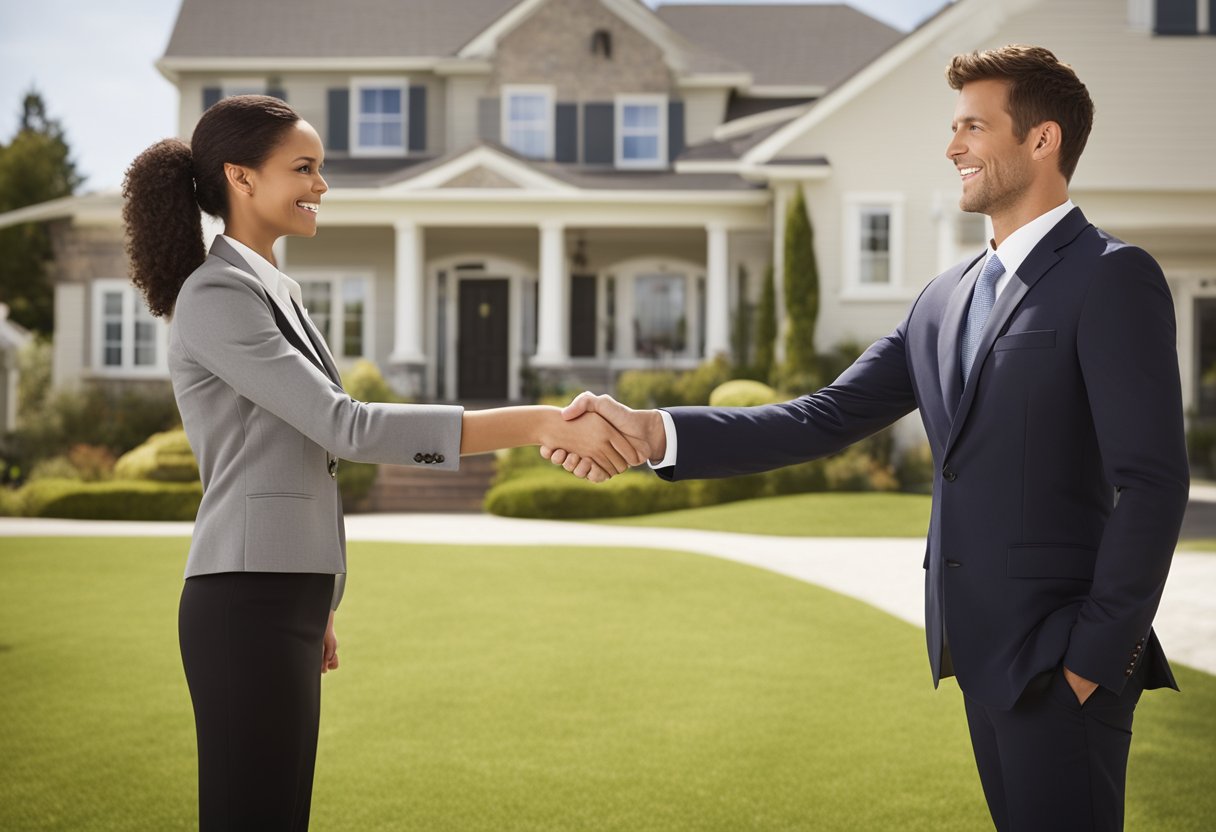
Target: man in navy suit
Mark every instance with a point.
(1046, 374)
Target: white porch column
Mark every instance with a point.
(553, 342)
(717, 291)
(409, 308)
(782, 196)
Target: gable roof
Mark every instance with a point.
(804, 46)
(362, 29)
(323, 29)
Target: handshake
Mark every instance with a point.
(598, 438)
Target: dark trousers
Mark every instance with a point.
(251, 645)
(1051, 763)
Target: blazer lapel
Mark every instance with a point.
(949, 347)
(1040, 261)
(221, 249)
(319, 344)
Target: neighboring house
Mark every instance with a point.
(571, 188)
(13, 338)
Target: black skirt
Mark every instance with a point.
(251, 645)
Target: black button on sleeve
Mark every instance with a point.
(439, 459)
(417, 457)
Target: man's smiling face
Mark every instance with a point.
(995, 167)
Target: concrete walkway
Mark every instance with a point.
(884, 572)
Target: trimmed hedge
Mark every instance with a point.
(744, 393)
(550, 492)
(115, 500)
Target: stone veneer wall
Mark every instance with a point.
(553, 46)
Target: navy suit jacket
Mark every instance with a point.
(1061, 471)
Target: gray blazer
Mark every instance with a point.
(268, 423)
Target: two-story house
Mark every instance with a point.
(504, 196)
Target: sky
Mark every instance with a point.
(91, 60)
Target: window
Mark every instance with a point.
(641, 131)
(1182, 17)
(875, 250)
(127, 338)
(660, 324)
(873, 244)
(378, 116)
(527, 121)
(340, 307)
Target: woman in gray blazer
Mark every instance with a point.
(267, 417)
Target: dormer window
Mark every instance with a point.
(601, 43)
(378, 116)
(1183, 17)
(527, 120)
(641, 131)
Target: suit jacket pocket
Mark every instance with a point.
(1048, 560)
(1031, 340)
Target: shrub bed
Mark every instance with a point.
(114, 500)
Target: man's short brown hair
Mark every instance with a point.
(1041, 88)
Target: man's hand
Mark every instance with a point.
(1082, 687)
(329, 649)
(643, 429)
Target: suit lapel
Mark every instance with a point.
(1040, 261)
(949, 359)
(221, 249)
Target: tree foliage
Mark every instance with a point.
(35, 166)
(800, 372)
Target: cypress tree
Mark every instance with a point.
(766, 328)
(801, 299)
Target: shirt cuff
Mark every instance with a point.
(669, 428)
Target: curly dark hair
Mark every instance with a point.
(170, 184)
(1041, 88)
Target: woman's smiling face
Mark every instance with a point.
(286, 190)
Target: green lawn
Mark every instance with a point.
(530, 689)
(802, 515)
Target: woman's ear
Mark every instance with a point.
(238, 177)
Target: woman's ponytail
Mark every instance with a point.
(163, 221)
(171, 183)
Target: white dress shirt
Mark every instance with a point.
(1013, 251)
(282, 288)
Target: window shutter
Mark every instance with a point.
(582, 316)
(417, 118)
(489, 115)
(339, 119)
(675, 129)
(1177, 17)
(279, 93)
(211, 95)
(566, 146)
(598, 128)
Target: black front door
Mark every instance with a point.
(482, 334)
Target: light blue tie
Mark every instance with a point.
(982, 300)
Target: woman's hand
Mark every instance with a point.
(604, 449)
(329, 650)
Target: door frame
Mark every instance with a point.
(493, 266)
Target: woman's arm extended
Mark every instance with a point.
(589, 435)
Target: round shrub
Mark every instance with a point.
(164, 457)
(54, 468)
(355, 480)
(743, 393)
(364, 382)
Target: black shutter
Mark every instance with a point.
(598, 126)
(675, 129)
(339, 119)
(1177, 17)
(280, 94)
(582, 316)
(566, 147)
(489, 113)
(1212, 17)
(211, 95)
(417, 118)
